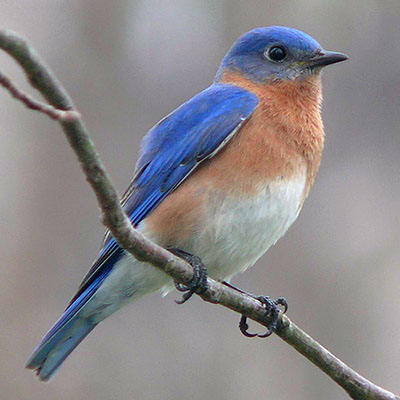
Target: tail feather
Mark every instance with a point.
(70, 329)
(55, 348)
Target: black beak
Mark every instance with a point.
(325, 58)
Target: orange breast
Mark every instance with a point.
(282, 139)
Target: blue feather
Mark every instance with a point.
(170, 152)
(181, 141)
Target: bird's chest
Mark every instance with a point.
(237, 230)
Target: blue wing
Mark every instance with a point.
(180, 142)
(171, 150)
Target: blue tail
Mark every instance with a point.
(63, 337)
(71, 328)
(57, 345)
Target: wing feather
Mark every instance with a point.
(171, 150)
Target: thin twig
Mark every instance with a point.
(30, 102)
(131, 240)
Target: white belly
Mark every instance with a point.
(234, 234)
(237, 233)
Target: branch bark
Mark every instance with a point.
(62, 109)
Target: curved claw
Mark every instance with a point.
(281, 301)
(198, 284)
(273, 303)
(180, 287)
(185, 297)
(266, 334)
(183, 288)
(243, 326)
(272, 309)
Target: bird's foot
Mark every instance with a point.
(198, 283)
(272, 312)
(271, 308)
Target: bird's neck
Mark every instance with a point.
(293, 109)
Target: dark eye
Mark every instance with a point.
(276, 53)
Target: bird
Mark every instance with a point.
(221, 178)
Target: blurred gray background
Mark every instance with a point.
(127, 64)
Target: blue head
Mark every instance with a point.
(277, 53)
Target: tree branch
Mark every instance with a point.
(62, 109)
(30, 102)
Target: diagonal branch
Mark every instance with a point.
(62, 109)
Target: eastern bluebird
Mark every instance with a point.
(222, 177)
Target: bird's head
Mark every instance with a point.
(277, 53)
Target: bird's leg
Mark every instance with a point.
(198, 283)
(238, 289)
(271, 308)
